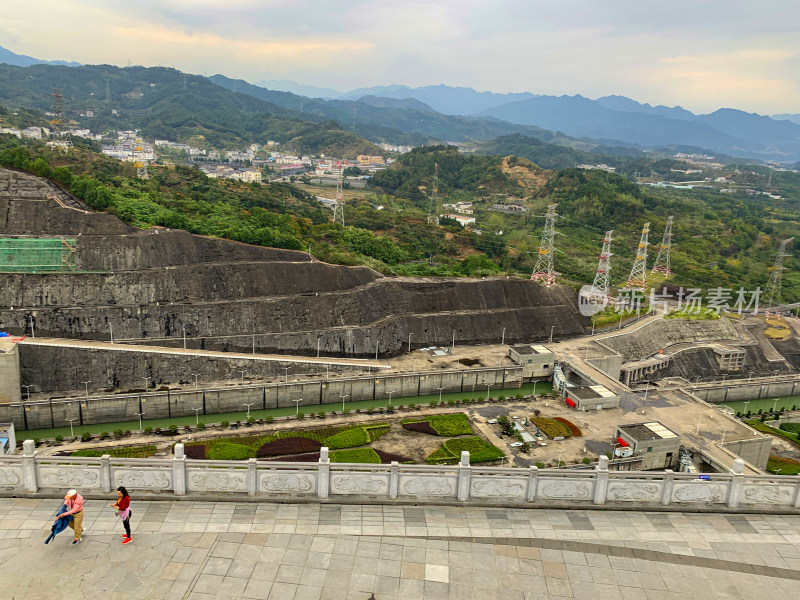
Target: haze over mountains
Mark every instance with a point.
(404, 115)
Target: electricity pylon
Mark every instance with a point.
(338, 207)
(637, 280)
(662, 260)
(543, 272)
(600, 285)
(772, 293)
(433, 205)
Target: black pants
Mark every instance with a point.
(127, 524)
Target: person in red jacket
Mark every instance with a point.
(123, 506)
(74, 503)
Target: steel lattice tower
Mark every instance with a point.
(662, 260)
(58, 108)
(772, 292)
(433, 206)
(338, 207)
(600, 285)
(637, 280)
(543, 272)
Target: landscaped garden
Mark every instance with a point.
(554, 428)
(449, 453)
(443, 425)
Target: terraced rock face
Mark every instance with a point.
(152, 285)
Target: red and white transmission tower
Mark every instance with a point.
(338, 207)
(543, 272)
(662, 260)
(637, 280)
(772, 293)
(600, 285)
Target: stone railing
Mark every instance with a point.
(395, 483)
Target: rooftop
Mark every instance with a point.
(648, 431)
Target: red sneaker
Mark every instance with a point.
(127, 540)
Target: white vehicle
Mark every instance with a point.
(516, 444)
(492, 421)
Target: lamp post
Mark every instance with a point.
(242, 373)
(646, 389)
(376, 348)
(746, 402)
(390, 398)
(343, 396)
(551, 333)
(534, 389)
(140, 420)
(775, 405)
(197, 415)
(28, 391)
(487, 392)
(296, 406)
(248, 405)
(592, 327)
(503, 337)
(440, 394)
(86, 383)
(195, 375)
(454, 339)
(318, 346)
(146, 382)
(286, 369)
(409, 341)
(71, 431)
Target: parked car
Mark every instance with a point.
(492, 421)
(516, 444)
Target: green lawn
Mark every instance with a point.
(765, 404)
(541, 388)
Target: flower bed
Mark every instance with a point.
(388, 457)
(450, 451)
(355, 455)
(376, 431)
(442, 425)
(293, 445)
(132, 452)
(552, 428)
(313, 457)
(196, 451)
(420, 427)
(228, 451)
(347, 439)
(571, 426)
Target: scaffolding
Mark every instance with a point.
(37, 255)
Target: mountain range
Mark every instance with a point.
(21, 60)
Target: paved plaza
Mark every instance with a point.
(226, 550)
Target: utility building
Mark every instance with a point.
(536, 360)
(658, 446)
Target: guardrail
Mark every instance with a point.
(395, 483)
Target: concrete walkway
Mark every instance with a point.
(205, 550)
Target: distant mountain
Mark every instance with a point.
(310, 91)
(165, 103)
(787, 117)
(385, 119)
(442, 98)
(21, 60)
(614, 117)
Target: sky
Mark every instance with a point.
(699, 54)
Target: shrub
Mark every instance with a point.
(434, 403)
(791, 427)
(346, 412)
(86, 436)
(224, 424)
(127, 433)
(201, 426)
(36, 441)
(540, 465)
(173, 428)
(59, 438)
(118, 433)
(571, 426)
(269, 419)
(301, 416)
(412, 405)
(451, 402)
(587, 460)
(224, 450)
(104, 435)
(519, 396)
(357, 455)
(293, 445)
(311, 415)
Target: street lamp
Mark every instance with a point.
(140, 420)
(318, 346)
(86, 383)
(343, 396)
(195, 375)
(71, 431)
(390, 398)
(28, 391)
(286, 369)
(197, 415)
(146, 381)
(440, 394)
(745, 406)
(297, 406)
(551, 333)
(775, 405)
(242, 371)
(454, 338)
(248, 409)
(503, 337)
(409, 341)
(487, 392)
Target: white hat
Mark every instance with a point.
(71, 493)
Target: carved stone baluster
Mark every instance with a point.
(463, 477)
(29, 475)
(252, 476)
(323, 474)
(601, 481)
(105, 473)
(394, 480)
(533, 483)
(736, 483)
(666, 492)
(179, 471)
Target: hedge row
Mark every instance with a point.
(133, 452)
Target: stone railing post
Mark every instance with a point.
(179, 471)
(29, 475)
(252, 477)
(601, 481)
(463, 477)
(666, 492)
(796, 502)
(323, 474)
(105, 473)
(394, 480)
(736, 483)
(533, 483)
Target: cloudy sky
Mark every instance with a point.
(700, 54)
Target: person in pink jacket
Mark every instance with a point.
(74, 502)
